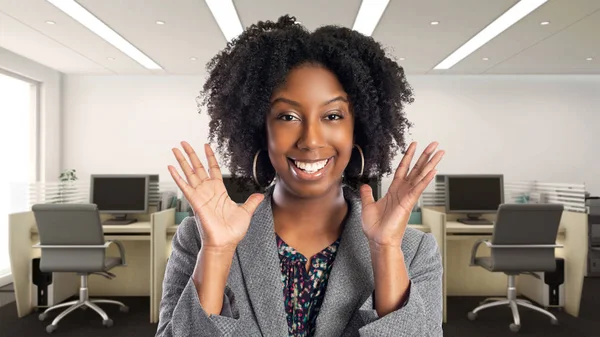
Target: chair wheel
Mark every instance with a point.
(554, 321)
(51, 328)
(514, 327)
(124, 309)
(472, 316)
(107, 323)
(42, 316)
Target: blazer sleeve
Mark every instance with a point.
(180, 311)
(422, 312)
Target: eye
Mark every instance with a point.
(334, 116)
(286, 117)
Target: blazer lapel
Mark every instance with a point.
(351, 279)
(259, 260)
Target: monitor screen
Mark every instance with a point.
(120, 194)
(474, 193)
(236, 192)
(375, 183)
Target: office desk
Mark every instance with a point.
(135, 279)
(456, 242)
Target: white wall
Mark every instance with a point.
(50, 108)
(526, 127)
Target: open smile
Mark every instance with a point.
(312, 170)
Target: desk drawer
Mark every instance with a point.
(594, 261)
(594, 231)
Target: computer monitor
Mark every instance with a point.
(120, 194)
(239, 193)
(375, 183)
(474, 194)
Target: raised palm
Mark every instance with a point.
(222, 223)
(385, 221)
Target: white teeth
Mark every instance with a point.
(311, 167)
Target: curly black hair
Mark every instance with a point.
(243, 76)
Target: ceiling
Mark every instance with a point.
(527, 47)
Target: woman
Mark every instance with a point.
(311, 114)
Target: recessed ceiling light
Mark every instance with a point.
(368, 16)
(160, 22)
(433, 23)
(193, 58)
(589, 58)
(110, 58)
(227, 18)
(486, 59)
(87, 19)
(509, 18)
(50, 22)
(543, 23)
(402, 59)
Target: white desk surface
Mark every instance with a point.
(455, 227)
(142, 227)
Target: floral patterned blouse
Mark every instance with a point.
(304, 291)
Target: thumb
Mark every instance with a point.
(366, 195)
(252, 203)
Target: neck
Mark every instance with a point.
(308, 215)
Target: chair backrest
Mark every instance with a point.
(70, 224)
(526, 224)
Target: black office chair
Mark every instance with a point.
(523, 242)
(72, 240)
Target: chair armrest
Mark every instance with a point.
(104, 246)
(121, 249)
(474, 249)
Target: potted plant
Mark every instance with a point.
(66, 178)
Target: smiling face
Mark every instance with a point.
(310, 131)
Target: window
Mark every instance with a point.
(18, 154)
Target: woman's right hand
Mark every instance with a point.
(221, 221)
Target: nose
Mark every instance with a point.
(312, 137)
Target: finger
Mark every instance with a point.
(196, 163)
(402, 169)
(366, 195)
(416, 170)
(213, 167)
(181, 183)
(192, 178)
(416, 191)
(431, 165)
(252, 203)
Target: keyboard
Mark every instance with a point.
(476, 222)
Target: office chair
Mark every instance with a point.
(523, 242)
(72, 240)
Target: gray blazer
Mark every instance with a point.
(253, 303)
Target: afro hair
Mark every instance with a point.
(243, 76)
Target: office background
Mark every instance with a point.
(530, 111)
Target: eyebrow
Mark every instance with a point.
(296, 104)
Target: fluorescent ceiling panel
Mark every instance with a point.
(227, 18)
(87, 19)
(368, 16)
(509, 18)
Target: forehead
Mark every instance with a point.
(311, 83)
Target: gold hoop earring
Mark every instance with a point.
(254, 168)
(362, 160)
(255, 172)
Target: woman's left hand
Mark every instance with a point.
(385, 221)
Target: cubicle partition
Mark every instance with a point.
(136, 279)
(460, 279)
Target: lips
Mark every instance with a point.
(310, 170)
